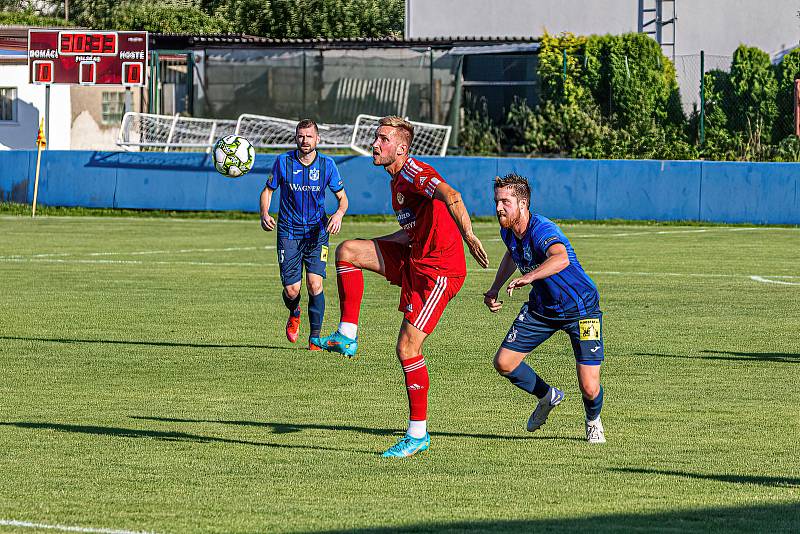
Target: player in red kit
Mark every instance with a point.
(425, 258)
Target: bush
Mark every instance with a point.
(564, 129)
(787, 72)
(755, 89)
(478, 135)
(30, 18)
(617, 97)
(166, 18)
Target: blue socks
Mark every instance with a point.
(594, 406)
(526, 379)
(291, 304)
(316, 312)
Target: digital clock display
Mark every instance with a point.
(89, 43)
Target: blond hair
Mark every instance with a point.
(406, 128)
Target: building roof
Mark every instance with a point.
(183, 41)
(16, 38)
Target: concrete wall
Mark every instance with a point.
(762, 193)
(21, 134)
(88, 130)
(716, 26)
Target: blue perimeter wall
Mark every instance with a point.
(766, 193)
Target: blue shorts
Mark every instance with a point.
(586, 334)
(294, 254)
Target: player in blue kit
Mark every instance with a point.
(303, 226)
(562, 297)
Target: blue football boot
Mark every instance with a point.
(339, 343)
(408, 446)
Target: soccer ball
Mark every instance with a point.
(234, 156)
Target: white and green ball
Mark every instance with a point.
(234, 156)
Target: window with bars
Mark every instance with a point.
(8, 104)
(113, 107)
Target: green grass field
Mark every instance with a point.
(147, 386)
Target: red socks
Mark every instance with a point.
(417, 387)
(350, 280)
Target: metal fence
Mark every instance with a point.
(332, 86)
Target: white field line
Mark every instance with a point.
(768, 281)
(757, 278)
(138, 253)
(135, 262)
(687, 275)
(687, 231)
(254, 221)
(65, 528)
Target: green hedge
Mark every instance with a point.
(617, 97)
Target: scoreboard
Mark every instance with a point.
(87, 57)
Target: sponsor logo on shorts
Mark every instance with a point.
(410, 308)
(512, 336)
(589, 329)
(323, 254)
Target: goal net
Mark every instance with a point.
(165, 132)
(272, 132)
(429, 139)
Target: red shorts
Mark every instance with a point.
(423, 297)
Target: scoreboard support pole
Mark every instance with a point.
(47, 111)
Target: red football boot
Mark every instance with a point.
(293, 327)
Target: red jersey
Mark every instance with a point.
(436, 247)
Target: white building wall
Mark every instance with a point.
(21, 134)
(716, 26)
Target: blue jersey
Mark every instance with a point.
(302, 206)
(568, 294)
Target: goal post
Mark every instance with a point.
(272, 132)
(146, 130)
(171, 132)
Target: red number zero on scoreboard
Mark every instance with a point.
(43, 71)
(132, 73)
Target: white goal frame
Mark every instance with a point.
(170, 132)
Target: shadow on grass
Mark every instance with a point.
(758, 518)
(288, 428)
(776, 482)
(159, 435)
(150, 343)
(778, 357)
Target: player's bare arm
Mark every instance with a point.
(506, 269)
(557, 260)
(335, 221)
(455, 205)
(267, 221)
